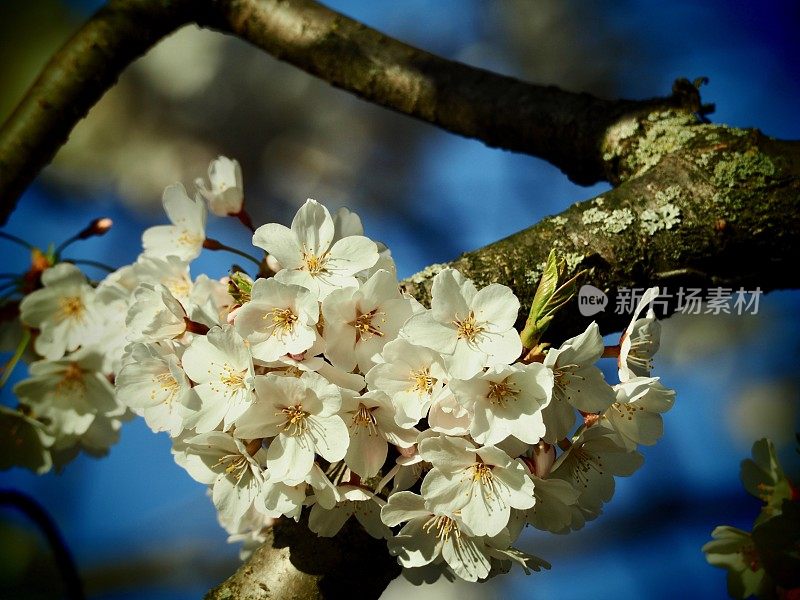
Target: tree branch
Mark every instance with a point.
(563, 128)
(73, 588)
(295, 563)
(73, 81)
(734, 197)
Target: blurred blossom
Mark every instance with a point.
(765, 409)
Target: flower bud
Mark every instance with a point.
(544, 455)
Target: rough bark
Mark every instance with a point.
(296, 564)
(559, 126)
(737, 197)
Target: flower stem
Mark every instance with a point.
(36, 513)
(12, 362)
(98, 226)
(91, 263)
(211, 244)
(245, 219)
(16, 240)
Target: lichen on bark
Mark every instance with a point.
(679, 180)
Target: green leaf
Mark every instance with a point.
(240, 287)
(551, 295)
(764, 478)
(547, 286)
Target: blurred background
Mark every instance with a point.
(141, 528)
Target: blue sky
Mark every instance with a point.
(137, 502)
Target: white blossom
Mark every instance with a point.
(220, 364)
(635, 414)
(578, 383)
(279, 319)
(309, 257)
(555, 501)
(591, 464)
(448, 415)
(470, 328)
(111, 308)
(359, 321)
(300, 414)
(640, 340)
(347, 223)
(279, 499)
(63, 310)
(153, 384)
(209, 302)
(232, 468)
(506, 400)
(185, 237)
(67, 393)
(483, 483)
(171, 271)
(358, 502)
(226, 194)
(412, 376)
(370, 420)
(431, 535)
(154, 315)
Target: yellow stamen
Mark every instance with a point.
(72, 381)
(364, 327)
(71, 307)
(482, 473)
(363, 417)
(500, 393)
(444, 526)
(421, 381)
(187, 238)
(312, 263)
(295, 423)
(168, 384)
(584, 464)
(235, 464)
(468, 328)
(283, 319)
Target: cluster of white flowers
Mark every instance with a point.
(321, 386)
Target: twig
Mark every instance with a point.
(564, 128)
(73, 588)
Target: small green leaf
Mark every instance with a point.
(551, 295)
(763, 477)
(240, 287)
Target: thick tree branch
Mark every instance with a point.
(564, 128)
(73, 81)
(296, 564)
(699, 205)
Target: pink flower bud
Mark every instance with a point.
(232, 315)
(273, 264)
(407, 452)
(544, 455)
